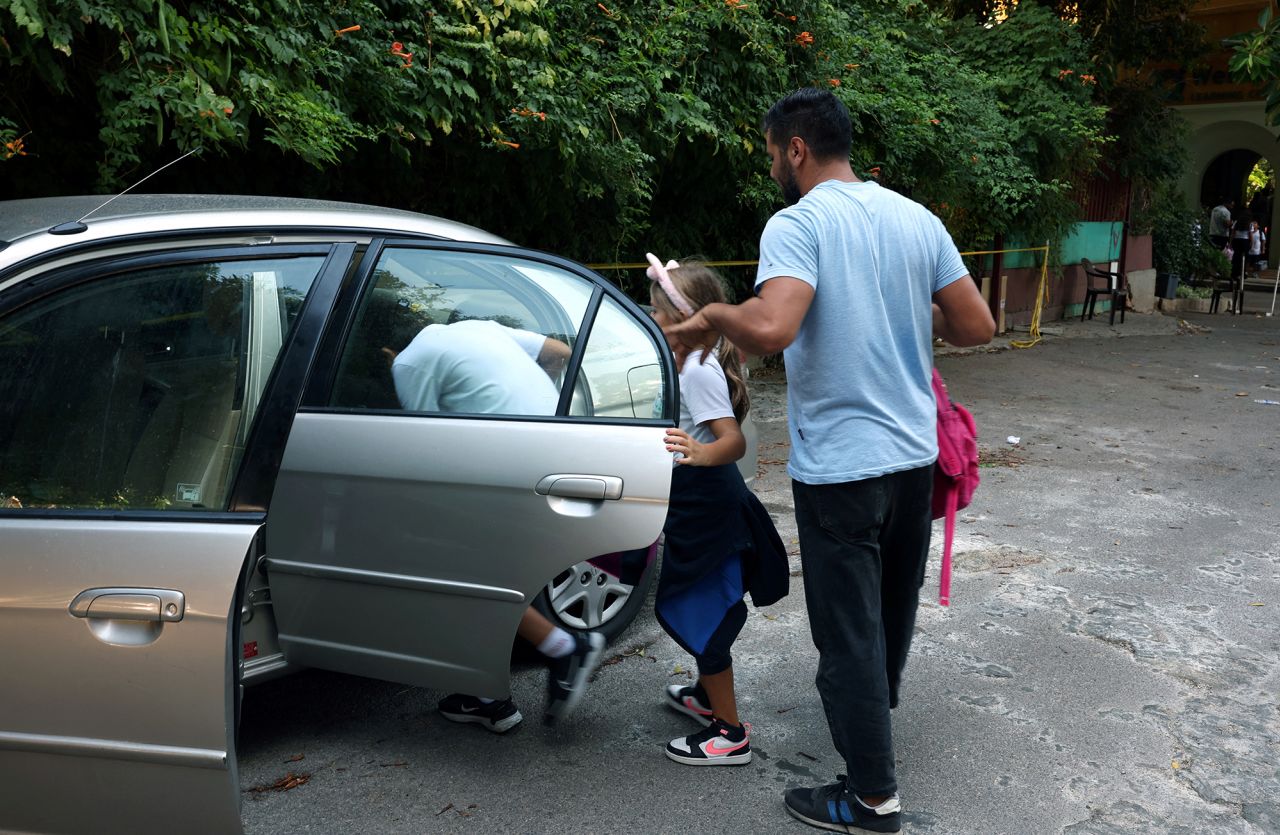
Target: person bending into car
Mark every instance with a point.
(477, 366)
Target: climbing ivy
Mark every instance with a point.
(597, 129)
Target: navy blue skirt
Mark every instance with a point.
(719, 545)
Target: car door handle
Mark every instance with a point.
(151, 605)
(575, 486)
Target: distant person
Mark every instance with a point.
(1240, 244)
(719, 540)
(1220, 222)
(854, 282)
(1257, 243)
(476, 366)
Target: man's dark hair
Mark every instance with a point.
(814, 115)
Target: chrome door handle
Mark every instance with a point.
(576, 486)
(151, 605)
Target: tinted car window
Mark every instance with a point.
(460, 333)
(434, 333)
(137, 390)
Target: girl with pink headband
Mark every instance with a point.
(719, 540)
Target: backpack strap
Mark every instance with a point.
(944, 581)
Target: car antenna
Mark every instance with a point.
(75, 227)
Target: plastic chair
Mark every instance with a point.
(1100, 282)
(1233, 285)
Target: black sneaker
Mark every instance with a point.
(717, 744)
(836, 808)
(691, 701)
(567, 676)
(498, 717)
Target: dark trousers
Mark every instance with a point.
(1240, 247)
(863, 547)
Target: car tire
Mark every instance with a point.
(573, 583)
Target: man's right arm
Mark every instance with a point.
(767, 322)
(763, 324)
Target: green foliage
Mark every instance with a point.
(1121, 34)
(1177, 233)
(1149, 137)
(1256, 58)
(1030, 130)
(1210, 261)
(1189, 291)
(600, 130)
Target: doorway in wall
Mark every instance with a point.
(1226, 177)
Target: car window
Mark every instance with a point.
(461, 333)
(621, 370)
(137, 390)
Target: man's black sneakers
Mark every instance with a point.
(836, 808)
(567, 676)
(498, 717)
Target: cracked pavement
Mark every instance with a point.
(1108, 663)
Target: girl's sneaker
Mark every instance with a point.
(691, 701)
(717, 744)
(498, 717)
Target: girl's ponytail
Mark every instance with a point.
(735, 374)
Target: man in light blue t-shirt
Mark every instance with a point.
(854, 282)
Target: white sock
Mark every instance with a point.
(558, 644)
(484, 701)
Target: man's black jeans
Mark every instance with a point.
(863, 547)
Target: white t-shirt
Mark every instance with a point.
(474, 367)
(1220, 221)
(704, 396)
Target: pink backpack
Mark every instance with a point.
(955, 476)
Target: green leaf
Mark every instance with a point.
(162, 27)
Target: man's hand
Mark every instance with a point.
(690, 335)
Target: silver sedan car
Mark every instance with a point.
(206, 478)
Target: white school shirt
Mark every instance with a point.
(704, 396)
(474, 367)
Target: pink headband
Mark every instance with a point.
(657, 272)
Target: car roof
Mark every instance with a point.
(131, 213)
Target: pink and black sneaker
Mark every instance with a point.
(691, 701)
(717, 744)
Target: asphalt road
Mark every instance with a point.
(1108, 663)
